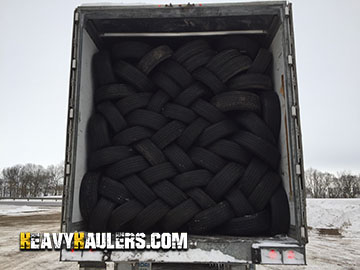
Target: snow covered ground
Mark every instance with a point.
(341, 214)
(334, 236)
(25, 210)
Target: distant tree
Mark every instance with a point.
(326, 185)
(56, 179)
(12, 179)
(349, 185)
(314, 182)
(31, 180)
(2, 187)
(36, 176)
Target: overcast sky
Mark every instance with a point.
(35, 42)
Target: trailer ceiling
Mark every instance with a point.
(106, 26)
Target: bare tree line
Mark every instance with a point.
(327, 185)
(31, 180)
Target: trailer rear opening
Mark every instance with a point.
(163, 35)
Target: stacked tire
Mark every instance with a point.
(184, 139)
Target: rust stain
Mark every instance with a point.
(288, 157)
(282, 88)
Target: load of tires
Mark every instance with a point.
(184, 139)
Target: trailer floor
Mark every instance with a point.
(328, 249)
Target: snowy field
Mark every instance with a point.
(334, 236)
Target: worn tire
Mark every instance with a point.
(89, 193)
(100, 216)
(261, 148)
(108, 155)
(112, 92)
(251, 82)
(237, 101)
(262, 61)
(153, 58)
(132, 75)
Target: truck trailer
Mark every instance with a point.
(145, 43)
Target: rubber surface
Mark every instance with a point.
(237, 101)
(257, 82)
(184, 138)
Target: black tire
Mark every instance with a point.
(190, 94)
(209, 79)
(123, 214)
(262, 61)
(88, 197)
(178, 112)
(150, 152)
(131, 135)
(237, 101)
(127, 167)
(102, 69)
(209, 219)
(207, 111)
(146, 118)
(179, 215)
(139, 189)
(169, 193)
(223, 57)
(98, 132)
(133, 50)
(158, 101)
(280, 212)
(158, 172)
(133, 102)
(271, 112)
(251, 225)
(108, 155)
(114, 191)
(153, 58)
(132, 75)
(253, 123)
(114, 118)
(239, 203)
(243, 44)
(169, 133)
(192, 179)
(167, 84)
(252, 176)
(261, 148)
(149, 216)
(179, 158)
(230, 150)
(100, 216)
(215, 132)
(177, 72)
(223, 181)
(201, 198)
(190, 49)
(192, 132)
(206, 159)
(198, 60)
(263, 192)
(112, 92)
(257, 82)
(233, 67)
